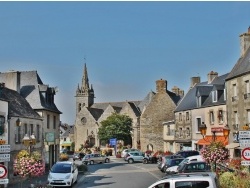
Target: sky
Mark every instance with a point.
(126, 46)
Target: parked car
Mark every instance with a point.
(63, 174)
(125, 151)
(203, 180)
(173, 169)
(163, 160)
(78, 156)
(134, 156)
(194, 166)
(187, 153)
(95, 158)
(172, 162)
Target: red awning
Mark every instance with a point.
(209, 139)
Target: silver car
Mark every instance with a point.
(134, 156)
(95, 158)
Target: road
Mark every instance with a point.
(119, 174)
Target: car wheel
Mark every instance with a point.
(145, 161)
(130, 161)
(91, 162)
(106, 160)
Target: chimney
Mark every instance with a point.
(211, 76)
(244, 42)
(161, 86)
(195, 80)
(177, 91)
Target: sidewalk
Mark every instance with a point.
(42, 180)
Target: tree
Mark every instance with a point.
(115, 126)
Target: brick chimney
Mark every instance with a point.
(244, 42)
(211, 76)
(161, 86)
(195, 80)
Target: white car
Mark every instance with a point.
(63, 174)
(208, 180)
(173, 169)
(125, 151)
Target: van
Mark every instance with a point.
(173, 169)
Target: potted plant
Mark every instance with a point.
(119, 154)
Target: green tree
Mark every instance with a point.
(115, 126)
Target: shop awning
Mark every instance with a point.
(66, 144)
(209, 139)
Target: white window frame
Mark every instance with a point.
(214, 96)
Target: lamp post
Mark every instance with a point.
(203, 131)
(29, 141)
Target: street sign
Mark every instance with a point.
(3, 171)
(246, 154)
(112, 141)
(4, 148)
(244, 143)
(4, 157)
(244, 134)
(4, 181)
(245, 163)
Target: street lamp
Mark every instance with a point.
(29, 141)
(203, 131)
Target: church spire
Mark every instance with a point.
(85, 79)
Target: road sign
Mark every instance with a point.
(4, 157)
(4, 148)
(4, 181)
(245, 163)
(244, 143)
(112, 141)
(246, 154)
(3, 171)
(244, 134)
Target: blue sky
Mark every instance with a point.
(127, 45)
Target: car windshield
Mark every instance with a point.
(61, 168)
(184, 161)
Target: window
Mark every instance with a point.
(79, 107)
(198, 123)
(247, 86)
(18, 134)
(2, 121)
(225, 94)
(188, 131)
(199, 101)
(25, 128)
(187, 116)
(64, 139)
(31, 129)
(236, 117)
(48, 120)
(234, 90)
(37, 133)
(211, 117)
(180, 130)
(214, 96)
(248, 116)
(54, 122)
(180, 117)
(220, 116)
(168, 129)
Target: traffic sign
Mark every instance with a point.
(3, 171)
(244, 134)
(245, 163)
(246, 154)
(244, 143)
(4, 148)
(4, 181)
(4, 157)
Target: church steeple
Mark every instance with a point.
(85, 79)
(84, 94)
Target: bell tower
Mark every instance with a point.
(84, 94)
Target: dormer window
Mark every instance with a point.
(214, 96)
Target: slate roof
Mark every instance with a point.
(30, 87)
(18, 106)
(69, 129)
(146, 100)
(242, 66)
(189, 101)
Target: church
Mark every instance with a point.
(147, 115)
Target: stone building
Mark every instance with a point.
(160, 109)
(154, 108)
(238, 94)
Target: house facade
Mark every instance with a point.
(238, 94)
(40, 97)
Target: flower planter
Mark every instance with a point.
(118, 156)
